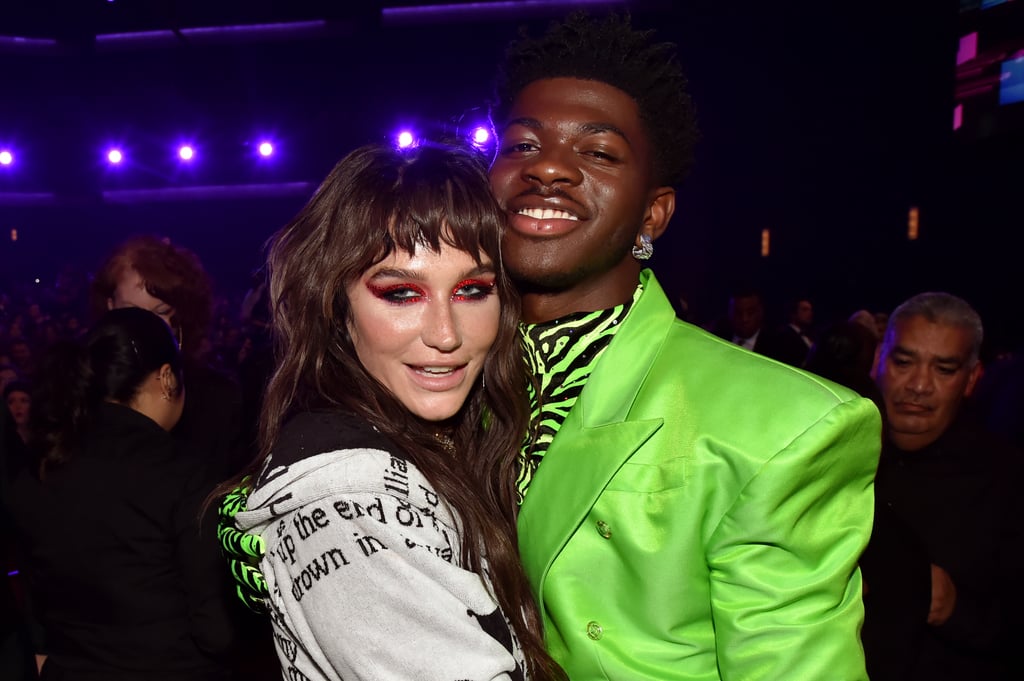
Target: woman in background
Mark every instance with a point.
(123, 583)
(170, 281)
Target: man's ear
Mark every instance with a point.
(110, 304)
(661, 204)
(972, 379)
(874, 364)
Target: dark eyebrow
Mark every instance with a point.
(398, 273)
(953, 359)
(589, 128)
(598, 128)
(526, 122)
(395, 273)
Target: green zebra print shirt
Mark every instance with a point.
(561, 355)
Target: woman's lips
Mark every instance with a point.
(437, 378)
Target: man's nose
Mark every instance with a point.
(920, 380)
(554, 165)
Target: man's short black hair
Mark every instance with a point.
(611, 51)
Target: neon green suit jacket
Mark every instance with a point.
(700, 514)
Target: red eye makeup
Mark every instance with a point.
(473, 289)
(398, 294)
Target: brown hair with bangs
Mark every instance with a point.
(376, 200)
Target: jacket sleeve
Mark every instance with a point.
(785, 588)
(204, 578)
(986, 614)
(368, 585)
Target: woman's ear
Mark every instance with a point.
(168, 382)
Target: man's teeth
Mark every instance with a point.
(547, 214)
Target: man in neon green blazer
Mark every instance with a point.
(690, 510)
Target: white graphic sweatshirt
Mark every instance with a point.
(362, 565)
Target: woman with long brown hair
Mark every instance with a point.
(384, 489)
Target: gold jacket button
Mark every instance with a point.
(595, 631)
(604, 529)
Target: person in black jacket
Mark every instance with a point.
(15, 653)
(790, 342)
(949, 511)
(126, 583)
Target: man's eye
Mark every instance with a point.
(518, 148)
(601, 155)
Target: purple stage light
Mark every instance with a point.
(480, 136)
(185, 153)
(6, 158)
(266, 149)
(10, 43)
(207, 192)
(491, 9)
(405, 139)
(214, 34)
(115, 156)
(28, 199)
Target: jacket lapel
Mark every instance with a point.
(596, 437)
(565, 487)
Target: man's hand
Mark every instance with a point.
(243, 551)
(943, 597)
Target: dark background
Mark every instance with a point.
(822, 121)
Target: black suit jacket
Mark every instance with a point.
(125, 583)
(723, 329)
(16, 661)
(785, 345)
(211, 426)
(957, 500)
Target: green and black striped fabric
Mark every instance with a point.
(561, 355)
(242, 550)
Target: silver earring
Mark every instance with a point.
(645, 250)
